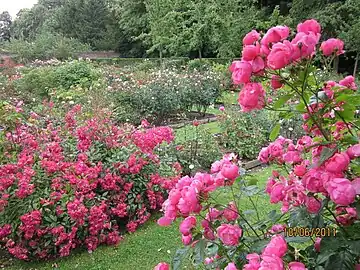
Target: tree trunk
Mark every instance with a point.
(356, 64)
(200, 56)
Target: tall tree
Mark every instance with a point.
(133, 24)
(28, 22)
(5, 26)
(83, 19)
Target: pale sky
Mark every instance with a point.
(13, 6)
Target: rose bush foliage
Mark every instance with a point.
(66, 183)
(317, 183)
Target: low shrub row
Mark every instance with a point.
(165, 93)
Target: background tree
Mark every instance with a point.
(5, 26)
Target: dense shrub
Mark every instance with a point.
(164, 93)
(71, 182)
(195, 149)
(45, 46)
(244, 133)
(42, 81)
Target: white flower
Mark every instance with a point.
(191, 166)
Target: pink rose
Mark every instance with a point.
(280, 56)
(222, 108)
(229, 234)
(269, 185)
(251, 37)
(216, 166)
(186, 239)
(332, 45)
(187, 225)
(296, 266)
(338, 163)
(353, 151)
(264, 155)
(241, 72)
(317, 244)
(208, 261)
(276, 82)
(341, 191)
(271, 262)
(277, 228)
(209, 234)
(213, 214)
(309, 26)
(292, 157)
(277, 247)
(275, 34)
(357, 266)
(304, 45)
(231, 266)
(162, 266)
(312, 205)
(254, 262)
(257, 64)
(230, 171)
(164, 221)
(252, 97)
(250, 52)
(299, 170)
(277, 193)
(231, 212)
(356, 185)
(349, 82)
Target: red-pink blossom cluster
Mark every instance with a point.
(275, 51)
(309, 181)
(79, 180)
(185, 198)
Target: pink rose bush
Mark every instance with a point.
(68, 183)
(317, 178)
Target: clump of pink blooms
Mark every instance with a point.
(311, 181)
(275, 51)
(76, 193)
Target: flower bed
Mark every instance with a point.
(71, 182)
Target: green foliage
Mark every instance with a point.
(195, 149)
(244, 133)
(45, 46)
(198, 64)
(43, 81)
(5, 25)
(168, 93)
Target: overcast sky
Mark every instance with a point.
(13, 6)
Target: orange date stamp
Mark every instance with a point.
(309, 232)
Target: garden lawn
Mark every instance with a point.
(188, 132)
(146, 247)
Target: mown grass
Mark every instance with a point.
(189, 132)
(146, 247)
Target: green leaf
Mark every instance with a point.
(342, 260)
(275, 132)
(297, 239)
(199, 252)
(251, 190)
(180, 255)
(324, 256)
(281, 101)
